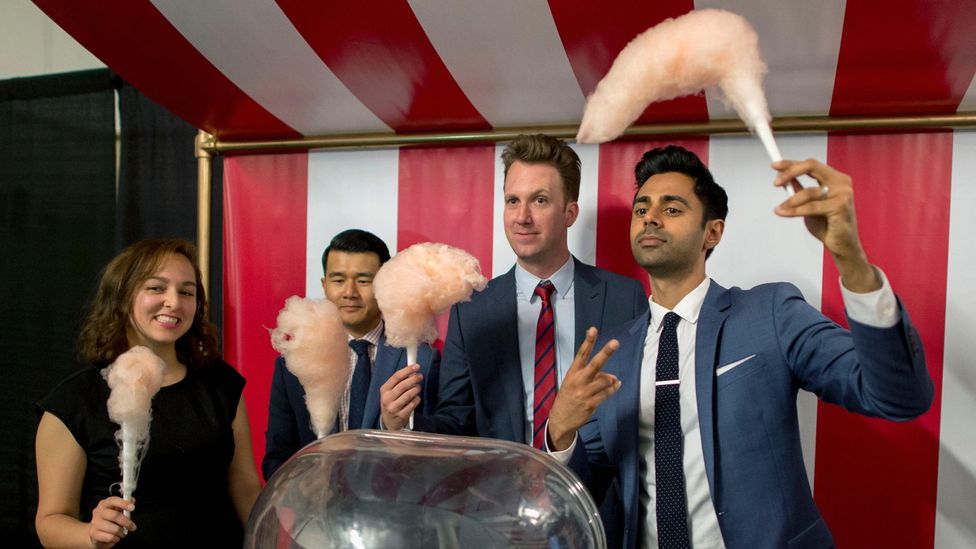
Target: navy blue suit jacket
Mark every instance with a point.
(481, 389)
(289, 425)
(747, 414)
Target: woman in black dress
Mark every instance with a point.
(197, 481)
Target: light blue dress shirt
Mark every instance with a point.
(564, 315)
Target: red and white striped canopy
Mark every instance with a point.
(260, 69)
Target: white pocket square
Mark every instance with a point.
(724, 369)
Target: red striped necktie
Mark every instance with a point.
(544, 392)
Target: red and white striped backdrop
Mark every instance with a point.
(879, 484)
(284, 68)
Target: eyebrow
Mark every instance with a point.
(355, 275)
(166, 280)
(645, 199)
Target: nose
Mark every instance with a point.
(171, 298)
(523, 214)
(652, 217)
(349, 289)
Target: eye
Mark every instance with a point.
(365, 281)
(672, 211)
(154, 288)
(640, 212)
(541, 200)
(188, 293)
(511, 200)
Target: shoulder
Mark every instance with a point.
(83, 384)
(219, 374)
(612, 279)
(768, 292)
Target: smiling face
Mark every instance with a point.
(537, 217)
(667, 236)
(164, 305)
(348, 282)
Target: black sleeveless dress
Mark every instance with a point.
(181, 496)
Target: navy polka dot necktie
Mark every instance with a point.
(672, 506)
(359, 388)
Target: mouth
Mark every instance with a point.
(168, 321)
(649, 240)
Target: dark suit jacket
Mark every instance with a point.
(481, 389)
(289, 425)
(747, 413)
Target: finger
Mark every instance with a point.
(390, 395)
(404, 399)
(609, 388)
(408, 409)
(790, 169)
(596, 363)
(583, 353)
(400, 375)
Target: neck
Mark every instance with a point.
(174, 370)
(357, 332)
(668, 291)
(545, 268)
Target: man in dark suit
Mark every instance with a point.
(509, 339)
(349, 263)
(691, 410)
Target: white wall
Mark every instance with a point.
(31, 44)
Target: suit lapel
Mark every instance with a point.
(501, 310)
(589, 294)
(714, 311)
(625, 409)
(388, 360)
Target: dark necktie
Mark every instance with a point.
(359, 388)
(672, 506)
(545, 365)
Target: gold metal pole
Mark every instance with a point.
(794, 124)
(203, 204)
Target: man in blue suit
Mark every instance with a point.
(349, 263)
(488, 375)
(709, 455)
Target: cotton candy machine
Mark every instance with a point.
(377, 489)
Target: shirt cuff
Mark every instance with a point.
(561, 456)
(878, 309)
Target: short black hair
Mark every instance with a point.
(680, 160)
(356, 241)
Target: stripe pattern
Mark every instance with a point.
(872, 479)
(544, 392)
(263, 69)
(283, 68)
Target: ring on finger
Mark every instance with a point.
(823, 192)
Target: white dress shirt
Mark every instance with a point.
(564, 316)
(877, 309)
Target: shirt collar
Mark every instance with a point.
(562, 279)
(372, 336)
(688, 308)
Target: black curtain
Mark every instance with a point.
(57, 227)
(158, 183)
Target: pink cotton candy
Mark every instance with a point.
(681, 56)
(421, 282)
(311, 337)
(134, 379)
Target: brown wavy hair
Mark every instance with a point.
(104, 333)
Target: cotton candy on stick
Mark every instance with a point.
(681, 56)
(311, 338)
(421, 282)
(134, 379)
